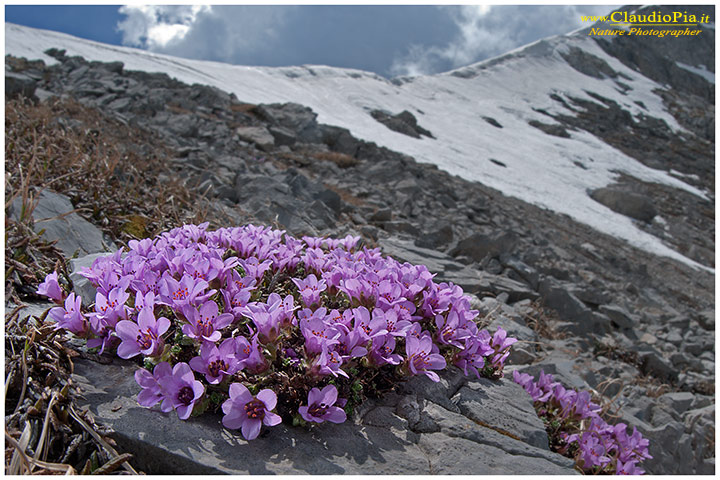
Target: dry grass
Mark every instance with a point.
(543, 321)
(342, 160)
(248, 108)
(118, 178)
(109, 170)
(44, 432)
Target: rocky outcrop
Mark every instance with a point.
(404, 122)
(459, 426)
(627, 203)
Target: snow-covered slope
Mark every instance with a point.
(539, 168)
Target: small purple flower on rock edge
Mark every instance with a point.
(499, 345)
(628, 468)
(70, 317)
(321, 407)
(423, 357)
(206, 323)
(111, 308)
(51, 288)
(472, 357)
(150, 383)
(180, 390)
(143, 337)
(216, 362)
(247, 412)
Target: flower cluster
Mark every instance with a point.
(251, 320)
(577, 430)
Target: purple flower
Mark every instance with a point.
(254, 268)
(321, 406)
(592, 451)
(526, 381)
(349, 242)
(450, 331)
(328, 362)
(367, 327)
(71, 318)
(382, 350)
(187, 291)
(180, 390)
(51, 288)
(111, 308)
(310, 289)
(250, 356)
(628, 468)
(423, 357)
(472, 357)
(143, 337)
(150, 383)
(205, 324)
(215, 363)
(248, 413)
(500, 344)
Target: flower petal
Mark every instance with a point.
(271, 419)
(335, 415)
(268, 397)
(251, 428)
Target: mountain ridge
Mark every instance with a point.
(344, 100)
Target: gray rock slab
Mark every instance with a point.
(407, 251)
(483, 283)
(54, 219)
(19, 85)
(473, 448)
(502, 405)
(453, 455)
(36, 310)
(619, 316)
(678, 401)
(438, 392)
(163, 444)
(630, 204)
(257, 135)
(402, 434)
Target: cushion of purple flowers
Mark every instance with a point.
(216, 315)
(579, 431)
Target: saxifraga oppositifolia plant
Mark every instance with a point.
(270, 328)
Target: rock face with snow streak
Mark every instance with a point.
(633, 321)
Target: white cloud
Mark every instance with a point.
(485, 31)
(227, 33)
(157, 26)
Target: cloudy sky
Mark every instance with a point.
(388, 40)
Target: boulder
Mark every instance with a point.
(407, 251)
(632, 205)
(480, 245)
(404, 122)
(259, 136)
(294, 117)
(19, 85)
(56, 221)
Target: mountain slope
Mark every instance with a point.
(531, 156)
